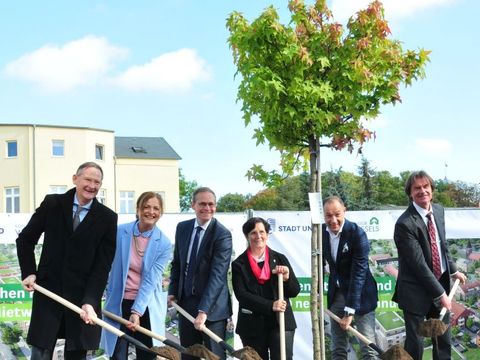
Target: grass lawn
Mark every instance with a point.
(472, 354)
(389, 319)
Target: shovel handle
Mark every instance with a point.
(355, 332)
(450, 296)
(97, 321)
(143, 330)
(76, 309)
(281, 319)
(206, 330)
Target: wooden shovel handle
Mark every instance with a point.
(77, 309)
(143, 330)
(281, 319)
(354, 331)
(450, 296)
(206, 330)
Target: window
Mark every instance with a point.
(58, 147)
(127, 202)
(58, 189)
(12, 200)
(162, 194)
(12, 150)
(102, 196)
(99, 153)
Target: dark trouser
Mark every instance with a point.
(189, 335)
(46, 354)
(414, 342)
(270, 341)
(121, 348)
(442, 346)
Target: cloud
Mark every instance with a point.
(438, 148)
(343, 9)
(62, 68)
(174, 71)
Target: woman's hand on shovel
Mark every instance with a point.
(134, 321)
(280, 269)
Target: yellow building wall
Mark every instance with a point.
(142, 175)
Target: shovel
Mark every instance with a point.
(436, 327)
(281, 319)
(97, 321)
(396, 352)
(170, 344)
(246, 353)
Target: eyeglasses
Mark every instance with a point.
(205, 204)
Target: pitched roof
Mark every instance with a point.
(144, 148)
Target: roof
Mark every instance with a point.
(144, 148)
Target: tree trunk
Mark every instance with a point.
(316, 294)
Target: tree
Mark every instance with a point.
(264, 200)
(367, 174)
(11, 334)
(186, 189)
(311, 84)
(231, 203)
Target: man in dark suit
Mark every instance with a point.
(199, 283)
(74, 264)
(425, 265)
(352, 290)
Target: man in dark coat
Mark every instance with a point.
(423, 283)
(198, 279)
(74, 264)
(352, 290)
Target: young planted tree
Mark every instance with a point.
(313, 83)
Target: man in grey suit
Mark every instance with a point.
(198, 278)
(78, 249)
(425, 265)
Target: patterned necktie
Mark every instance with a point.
(76, 217)
(188, 283)
(437, 271)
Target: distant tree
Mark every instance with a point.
(293, 193)
(469, 323)
(264, 200)
(389, 190)
(455, 331)
(367, 174)
(11, 334)
(466, 339)
(186, 189)
(342, 184)
(231, 203)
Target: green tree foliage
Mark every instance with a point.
(11, 334)
(232, 203)
(264, 200)
(367, 174)
(186, 189)
(312, 82)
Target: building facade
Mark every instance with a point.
(37, 160)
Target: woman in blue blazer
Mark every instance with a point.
(134, 289)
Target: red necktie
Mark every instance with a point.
(437, 270)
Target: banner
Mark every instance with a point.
(291, 235)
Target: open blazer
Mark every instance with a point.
(252, 307)
(351, 269)
(149, 294)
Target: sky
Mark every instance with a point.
(164, 68)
